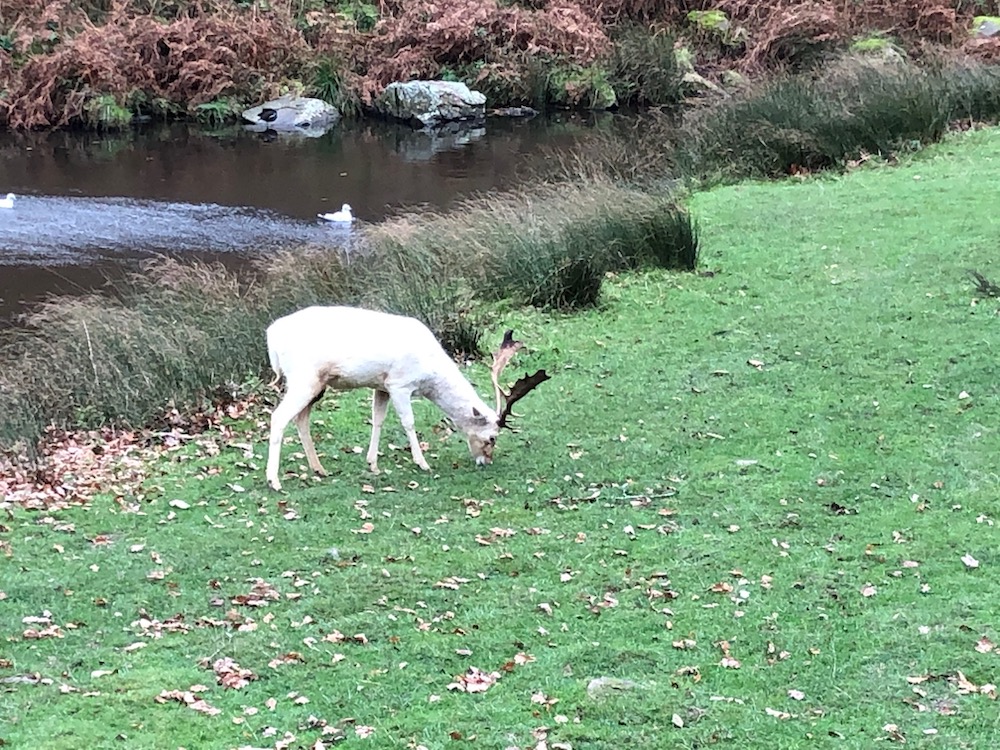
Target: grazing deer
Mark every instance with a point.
(398, 357)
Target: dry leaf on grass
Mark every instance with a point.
(189, 699)
(970, 561)
(230, 674)
(474, 681)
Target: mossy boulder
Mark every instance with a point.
(577, 87)
(985, 26)
(710, 20)
(431, 103)
(716, 24)
(879, 47)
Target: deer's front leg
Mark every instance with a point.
(401, 403)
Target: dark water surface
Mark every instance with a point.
(90, 205)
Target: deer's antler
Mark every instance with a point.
(521, 388)
(501, 357)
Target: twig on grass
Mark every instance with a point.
(984, 286)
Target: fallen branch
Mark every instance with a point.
(984, 286)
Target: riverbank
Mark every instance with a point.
(92, 65)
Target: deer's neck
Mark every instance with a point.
(456, 397)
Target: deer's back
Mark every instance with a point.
(350, 347)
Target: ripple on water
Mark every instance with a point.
(67, 230)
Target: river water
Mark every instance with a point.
(89, 205)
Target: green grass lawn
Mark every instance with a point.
(765, 496)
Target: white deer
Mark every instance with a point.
(398, 357)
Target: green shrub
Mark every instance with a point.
(217, 112)
(644, 67)
(363, 15)
(536, 82)
(104, 112)
(156, 107)
(580, 87)
(326, 82)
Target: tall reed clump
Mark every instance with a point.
(551, 246)
(174, 336)
(87, 361)
(805, 122)
(974, 92)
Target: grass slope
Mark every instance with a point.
(749, 493)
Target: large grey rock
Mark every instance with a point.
(293, 114)
(431, 103)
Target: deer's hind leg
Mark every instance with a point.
(302, 424)
(380, 405)
(297, 402)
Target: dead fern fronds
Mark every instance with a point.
(422, 37)
(187, 61)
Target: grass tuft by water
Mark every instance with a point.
(854, 107)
